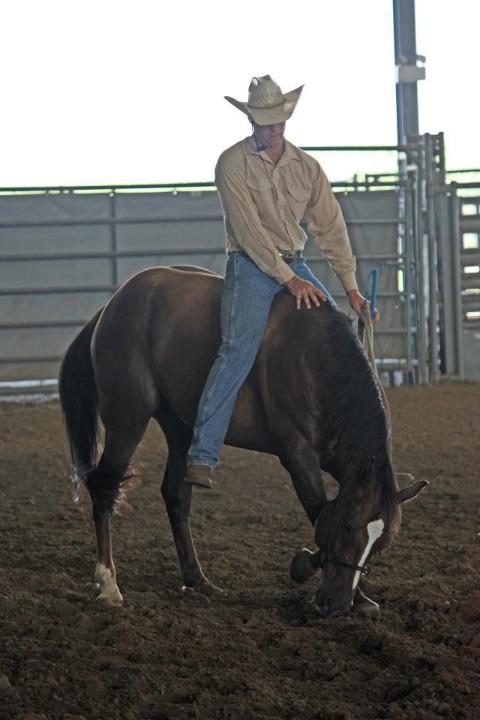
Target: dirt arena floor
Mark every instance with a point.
(260, 651)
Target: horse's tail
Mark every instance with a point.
(79, 401)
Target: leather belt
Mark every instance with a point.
(290, 256)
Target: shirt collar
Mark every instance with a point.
(288, 154)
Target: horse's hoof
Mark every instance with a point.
(112, 597)
(203, 587)
(365, 607)
(301, 567)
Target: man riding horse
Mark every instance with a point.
(309, 396)
(266, 185)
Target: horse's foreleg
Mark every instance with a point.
(177, 495)
(303, 464)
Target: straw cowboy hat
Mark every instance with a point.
(266, 103)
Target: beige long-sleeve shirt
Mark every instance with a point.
(263, 205)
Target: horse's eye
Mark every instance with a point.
(348, 529)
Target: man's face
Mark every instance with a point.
(271, 136)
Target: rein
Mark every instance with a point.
(365, 333)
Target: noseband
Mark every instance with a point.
(318, 561)
(362, 569)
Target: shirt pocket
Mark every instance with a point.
(297, 199)
(261, 192)
(258, 184)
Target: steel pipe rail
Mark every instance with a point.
(149, 252)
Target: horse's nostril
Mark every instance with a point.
(324, 605)
(328, 604)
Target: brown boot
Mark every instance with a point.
(200, 475)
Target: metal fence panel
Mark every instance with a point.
(64, 254)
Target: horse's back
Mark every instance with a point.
(156, 341)
(159, 336)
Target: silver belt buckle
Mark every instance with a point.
(289, 255)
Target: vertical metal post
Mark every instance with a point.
(456, 238)
(432, 260)
(408, 273)
(449, 265)
(113, 237)
(446, 302)
(418, 202)
(408, 73)
(441, 157)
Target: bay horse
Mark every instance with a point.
(311, 399)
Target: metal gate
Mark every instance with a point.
(467, 199)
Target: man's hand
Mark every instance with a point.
(358, 303)
(304, 290)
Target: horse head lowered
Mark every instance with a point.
(350, 529)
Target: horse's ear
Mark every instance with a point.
(411, 491)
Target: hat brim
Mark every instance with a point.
(271, 115)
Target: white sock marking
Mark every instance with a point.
(108, 587)
(375, 530)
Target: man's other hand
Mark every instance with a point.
(358, 303)
(305, 291)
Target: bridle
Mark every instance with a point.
(320, 559)
(362, 569)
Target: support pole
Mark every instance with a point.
(433, 355)
(408, 72)
(457, 277)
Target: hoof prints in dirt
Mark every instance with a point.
(259, 651)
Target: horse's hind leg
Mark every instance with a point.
(177, 495)
(103, 485)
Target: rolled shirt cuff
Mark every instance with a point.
(284, 274)
(348, 280)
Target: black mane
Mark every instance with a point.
(350, 402)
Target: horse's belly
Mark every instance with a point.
(247, 425)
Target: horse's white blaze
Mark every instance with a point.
(375, 530)
(108, 587)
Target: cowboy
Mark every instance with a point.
(266, 186)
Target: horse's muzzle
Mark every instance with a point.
(328, 605)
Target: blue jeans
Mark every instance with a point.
(246, 302)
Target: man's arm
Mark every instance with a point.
(325, 222)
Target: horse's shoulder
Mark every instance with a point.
(286, 319)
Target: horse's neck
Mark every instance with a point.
(350, 446)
